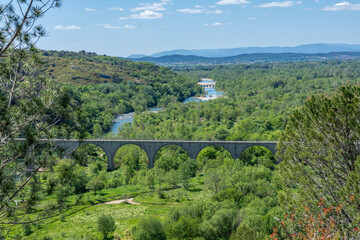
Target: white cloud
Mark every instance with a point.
(147, 14)
(231, 2)
(199, 10)
(70, 27)
(198, 6)
(188, 10)
(150, 10)
(252, 18)
(215, 24)
(108, 26)
(154, 7)
(280, 4)
(129, 26)
(343, 6)
(116, 9)
(90, 9)
(123, 18)
(151, 6)
(217, 11)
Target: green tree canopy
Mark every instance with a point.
(106, 225)
(149, 229)
(320, 153)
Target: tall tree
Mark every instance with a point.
(30, 107)
(320, 153)
(18, 29)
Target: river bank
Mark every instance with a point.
(211, 93)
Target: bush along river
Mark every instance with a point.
(211, 93)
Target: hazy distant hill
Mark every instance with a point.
(175, 60)
(306, 48)
(137, 56)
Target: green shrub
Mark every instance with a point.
(243, 232)
(106, 225)
(149, 229)
(150, 178)
(62, 218)
(221, 224)
(186, 227)
(159, 192)
(26, 229)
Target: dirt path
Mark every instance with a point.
(129, 200)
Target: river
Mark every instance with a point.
(211, 93)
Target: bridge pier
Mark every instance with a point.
(110, 160)
(151, 149)
(110, 149)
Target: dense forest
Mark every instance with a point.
(259, 99)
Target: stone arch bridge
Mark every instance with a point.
(151, 147)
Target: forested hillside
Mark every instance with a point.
(105, 86)
(86, 67)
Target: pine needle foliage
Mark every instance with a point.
(320, 152)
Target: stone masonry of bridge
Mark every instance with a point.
(151, 147)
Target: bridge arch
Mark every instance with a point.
(131, 150)
(209, 155)
(90, 144)
(232, 154)
(171, 150)
(84, 152)
(70, 146)
(269, 147)
(152, 148)
(258, 154)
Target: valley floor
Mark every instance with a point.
(80, 222)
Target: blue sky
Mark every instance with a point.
(124, 27)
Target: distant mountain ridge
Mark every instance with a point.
(227, 52)
(181, 60)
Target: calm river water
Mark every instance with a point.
(120, 120)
